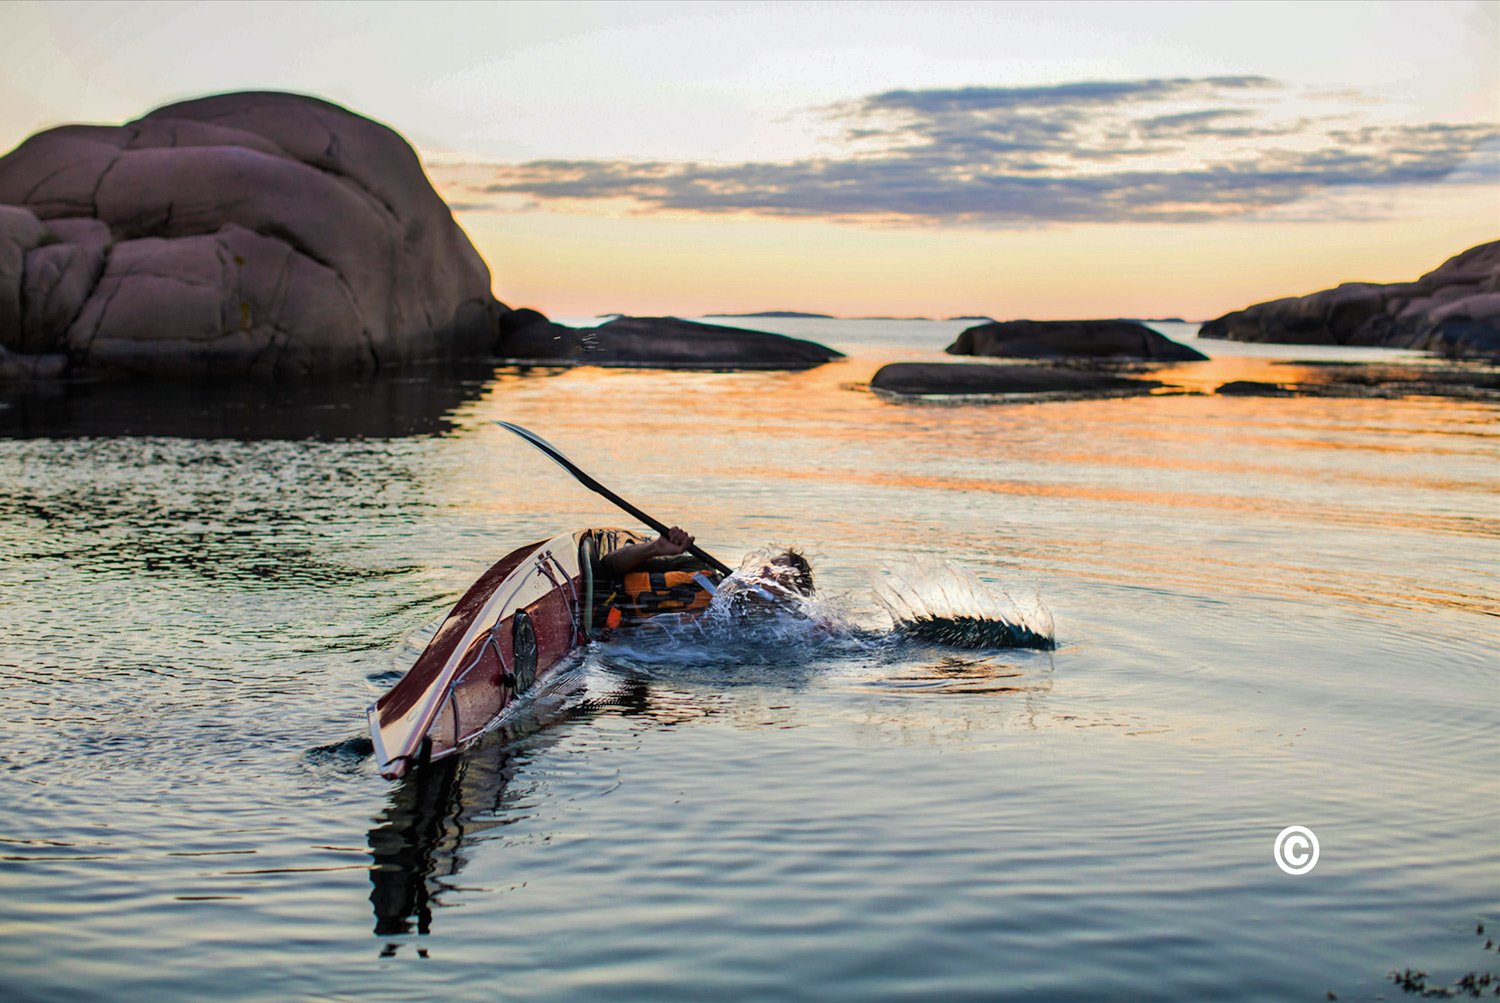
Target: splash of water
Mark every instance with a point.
(942, 602)
(753, 618)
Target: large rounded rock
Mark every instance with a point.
(1453, 309)
(656, 342)
(245, 233)
(1122, 340)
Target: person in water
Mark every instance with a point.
(764, 580)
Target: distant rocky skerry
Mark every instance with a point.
(242, 234)
(1115, 340)
(925, 379)
(1073, 359)
(654, 342)
(1453, 310)
(1468, 380)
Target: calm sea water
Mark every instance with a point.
(1268, 613)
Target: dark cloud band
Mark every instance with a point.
(1109, 151)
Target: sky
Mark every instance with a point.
(1042, 160)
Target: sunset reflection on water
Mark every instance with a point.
(1269, 611)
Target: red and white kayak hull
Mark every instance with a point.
(536, 599)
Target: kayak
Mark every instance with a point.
(519, 623)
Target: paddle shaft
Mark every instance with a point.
(557, 457)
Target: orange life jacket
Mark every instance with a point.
(647, 593)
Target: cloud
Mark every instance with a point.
(1171, 150)
(1192, 122)
(1075, 95)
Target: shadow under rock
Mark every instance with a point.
(415, 401)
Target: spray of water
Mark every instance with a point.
(939, 601)
(756, 616)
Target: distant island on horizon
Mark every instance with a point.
(974, 318)
(775, 313)
(979, 318)
(823, 316)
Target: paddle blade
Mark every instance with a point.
(553, 453)
(599, 489)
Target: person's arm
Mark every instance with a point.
(671, 543)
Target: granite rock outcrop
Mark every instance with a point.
(242, 234)
(1453, 309)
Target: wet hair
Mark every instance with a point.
(803, 582)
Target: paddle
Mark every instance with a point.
(594, 486)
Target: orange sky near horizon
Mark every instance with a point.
(584, 264)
